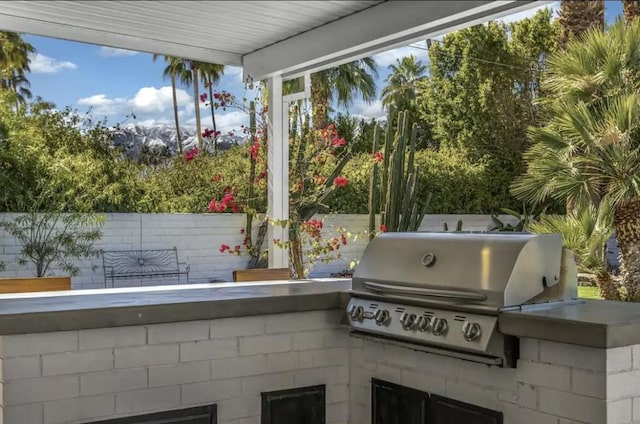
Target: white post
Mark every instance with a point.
(278, 171)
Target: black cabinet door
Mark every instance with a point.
(297, 406)
(448, 411)
(394, 404)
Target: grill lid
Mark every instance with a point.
(490, 269)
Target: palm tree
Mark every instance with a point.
(400, 90)
(341, 83)
(211, 74)
(192, 79)
(590, 150)
(578, 16)
(631, 9)
(20, 86)
(15, 56)
(584, 232)
(175, 68)
(195, 66)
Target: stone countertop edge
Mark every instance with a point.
(591, 323)
(79, 310)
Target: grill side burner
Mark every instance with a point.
(444, 291)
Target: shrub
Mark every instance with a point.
(456, 184)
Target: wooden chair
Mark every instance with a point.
(261, 274)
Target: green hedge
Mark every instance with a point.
(457, 186)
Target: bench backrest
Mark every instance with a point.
(261, 274)
(123, 262)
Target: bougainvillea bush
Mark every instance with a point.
(317, 158)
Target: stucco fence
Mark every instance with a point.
(198, 238)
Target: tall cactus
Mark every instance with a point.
(398, 194)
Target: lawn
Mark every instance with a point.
(589, 292)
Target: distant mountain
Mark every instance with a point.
(134, 139)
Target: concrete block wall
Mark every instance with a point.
(198, 238)
(89, 375)
(554, 383)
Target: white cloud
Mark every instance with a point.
(361, 109)
(151, 99)
(103, 105)
(113, 52)
(41, 64)
(224, 121)
(148, 103)
(234, 72)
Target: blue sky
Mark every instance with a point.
(116, 83)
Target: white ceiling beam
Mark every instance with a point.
(378, 28)
(117, 40)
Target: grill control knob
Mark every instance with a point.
(423, 323)
(382, 317)
(471, 331)
(356, 312)
(439, 327)
(407, 320)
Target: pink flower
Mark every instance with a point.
(224, 248)
(378, 157)
(340, 181)
(203, 97)
(319, 179)
(207, 132)
(254, 150)
(338, 142)
(191, 154)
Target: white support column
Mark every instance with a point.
(278, 171)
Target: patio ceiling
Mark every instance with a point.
(267, 38)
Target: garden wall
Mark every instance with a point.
(198, 238)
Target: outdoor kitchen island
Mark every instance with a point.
(102, 355)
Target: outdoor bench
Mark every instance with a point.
(135, 264)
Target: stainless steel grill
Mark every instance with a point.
(444, 291)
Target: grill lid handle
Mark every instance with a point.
(451, 294)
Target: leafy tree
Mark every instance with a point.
(579, 16)
(15, 55)
(51, 236)
(175, 69)
(358, 132)
(342, 84)
(589, 151)
(478, 97)
(400, 90)
(62, 154)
